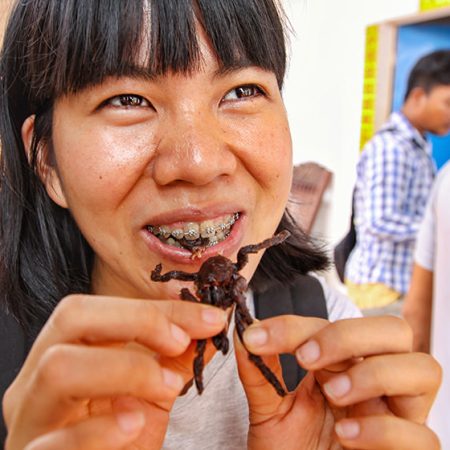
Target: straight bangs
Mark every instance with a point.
(246, 33)
(77, 43)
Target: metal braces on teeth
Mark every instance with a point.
(191, 233)
(212, 243)
(210, 230)
(178, 233)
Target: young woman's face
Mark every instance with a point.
(171, 155)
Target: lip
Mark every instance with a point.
(182, 256)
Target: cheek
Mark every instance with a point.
(268, 154)
(99, 167)
(439, 111)
(270, 164)
(275, 164)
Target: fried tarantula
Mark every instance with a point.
(219, 283)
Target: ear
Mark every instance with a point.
(418, 96)
(46, 171)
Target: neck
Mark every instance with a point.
(413, 118)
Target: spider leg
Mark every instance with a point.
(215, 297)
(242, 316)
(242, 257)
(221, 342)
(186, 294)
(199, 365)
(174, 274)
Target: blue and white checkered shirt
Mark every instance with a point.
(394, 177)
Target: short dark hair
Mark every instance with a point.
(430, 71)
(54, 47)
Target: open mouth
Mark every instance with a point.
(195, 236)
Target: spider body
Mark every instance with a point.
(219, 283)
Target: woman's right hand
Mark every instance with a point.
(104, 373)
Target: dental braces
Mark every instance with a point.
(193, 233)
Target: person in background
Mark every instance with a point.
(394, 176)
(427, 303)
(128, 129)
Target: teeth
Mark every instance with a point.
(192, 231)
(211, 231)
(213, 241)
(178, 233)
(164, 231)
(172, 241)
(207, 229)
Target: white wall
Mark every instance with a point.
(323, 91)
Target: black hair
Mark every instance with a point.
(430, 71)
(54, 47)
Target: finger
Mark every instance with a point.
(386, 432)
(263, 400)
(99, 433)
(69, 374)
(292, 420)
(282, 334)
(164, 326)
(184, 364)
(348, 339)
(409, 396)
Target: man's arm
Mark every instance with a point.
(418, 306)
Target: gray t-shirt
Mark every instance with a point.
(433, 253)
(218, 419)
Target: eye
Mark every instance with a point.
(242, 92)
(128, 101)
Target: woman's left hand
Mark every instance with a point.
(364, 389)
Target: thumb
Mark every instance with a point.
(184, 364)
(263, 400)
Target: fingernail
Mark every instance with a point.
(214, 316)
(130, 422)
(172, 380)
(347, 429)
(308, 353)
(179, 335)
(256, 336)
(338, 386)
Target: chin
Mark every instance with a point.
(441, 131)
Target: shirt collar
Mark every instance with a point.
(398, 121)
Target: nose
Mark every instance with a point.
(193, 149)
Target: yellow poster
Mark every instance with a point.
(370, 85)
(426, 5)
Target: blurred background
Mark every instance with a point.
(330, 76)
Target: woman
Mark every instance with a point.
(144, 122)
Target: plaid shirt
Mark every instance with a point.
(394, 177)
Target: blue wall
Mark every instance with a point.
(413, 42)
